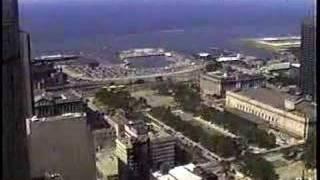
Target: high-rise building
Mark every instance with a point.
(61, 146)
(16, 103)
(132, 150)
(162, 149)
(308, 58)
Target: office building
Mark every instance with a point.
(287, 113)
(308, 58)
(162, 149)
(16, 94)
(61, 145)
(132, 150)
(218, 82)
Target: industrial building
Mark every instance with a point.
(289, 114)
(61, 145)
(218, 82)
(57, 103)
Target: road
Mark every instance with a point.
(128, 78)
(215, 127)
(185, 140)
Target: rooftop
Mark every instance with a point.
(57, 96)
(156, 133)
(60, 117)
(178, 173)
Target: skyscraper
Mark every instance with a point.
(16, 105)
(308, 58)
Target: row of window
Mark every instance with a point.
(260, 114)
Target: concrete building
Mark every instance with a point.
(61, 145)
(160, 145)
(279, 110)
(308, 58)
(16, 94)
(162, 149)
(132, 150)
(57, 103)
(218, 82)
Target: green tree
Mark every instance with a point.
(258, 168)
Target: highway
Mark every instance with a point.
(128, 78)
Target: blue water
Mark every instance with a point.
(104, 26)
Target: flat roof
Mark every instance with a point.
(182, 173)
(65, 116)
(158, 134)
(178, 173)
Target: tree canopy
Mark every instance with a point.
(223, 146)
(258, 168)
(239, 126)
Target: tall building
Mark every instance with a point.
(308, 58)
(162, 149)
(62, 146)
(16, 103)
(132, 150)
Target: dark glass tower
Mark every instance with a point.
(16, 103)
(308, 58)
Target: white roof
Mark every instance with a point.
(233, 58)
(203, 54)
(297, 65)
(190, 167)
(166, 177)
(182, 173)
(178, 173)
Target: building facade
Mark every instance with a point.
(291, 116)
(16, 103)
(308, 58)
(57, 103)
(61, 145)
(162, 150)
(217, 83)
(132, 150)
